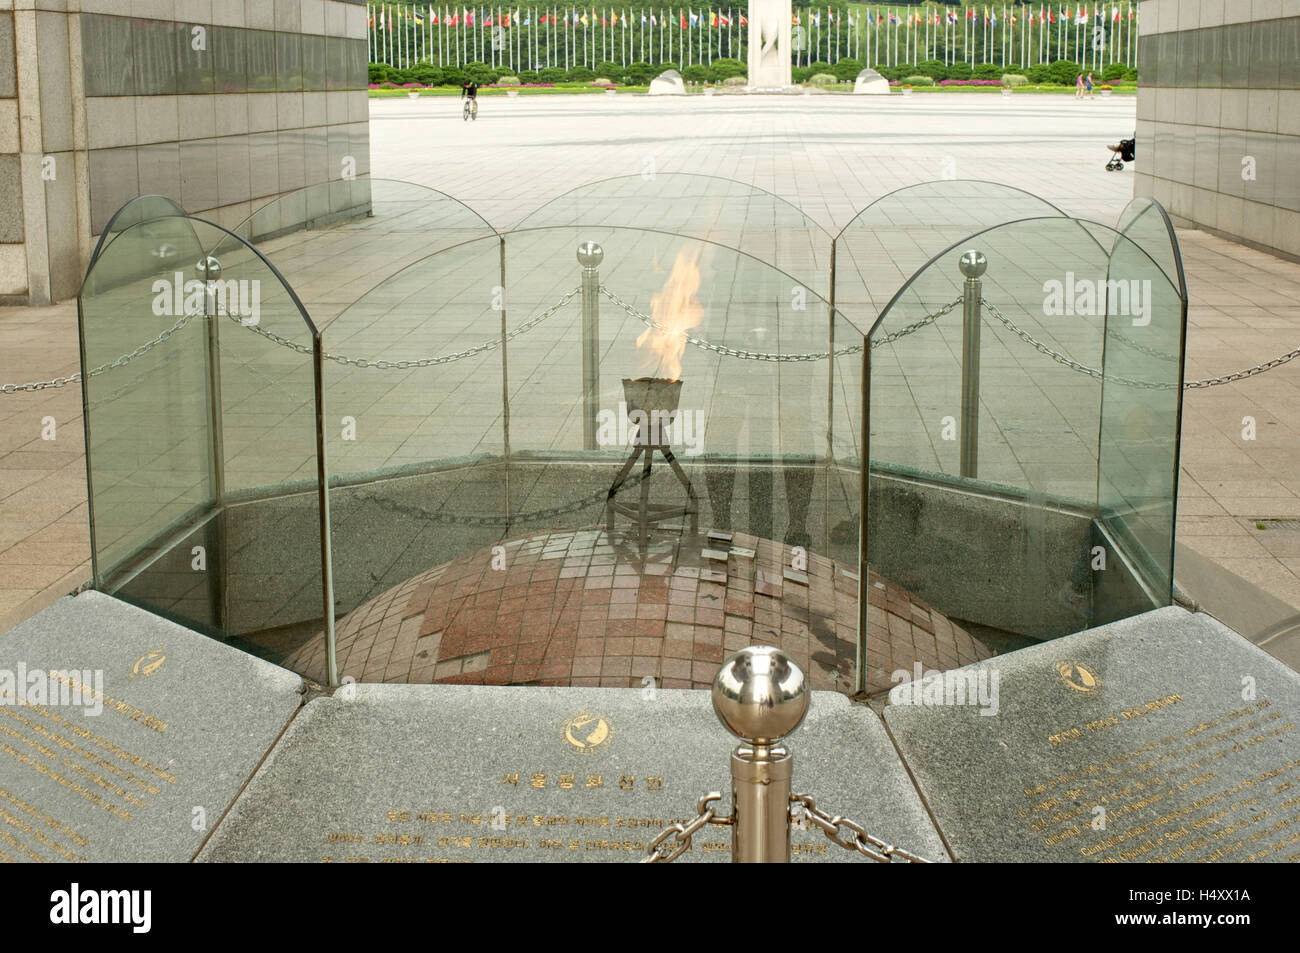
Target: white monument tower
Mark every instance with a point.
(769, 44)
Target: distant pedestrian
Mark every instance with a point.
(1078, 87)
(1089, 85)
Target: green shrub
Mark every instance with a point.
(580, 74)
(453, 76)
(641, 73)
(1039, 73)
(1065, 72)
(988, 71)
(800, 74)
(696, 73)
(821, 66)
(935, 69)
(960, 71)
(848, 69)
(400, 77)
(609, 70)
(1114, 71)
(918, 81)
(726, 68)
(481, 73)
(378, 72)
(528, 76)
(551, 74)
(1015, 80)
(427, 73)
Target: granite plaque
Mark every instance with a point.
(124, 737)
(443, 773)
(1165, 737)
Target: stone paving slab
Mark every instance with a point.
(145, 768)
(413, 773)
(1167, 728)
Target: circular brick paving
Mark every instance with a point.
(570, 608)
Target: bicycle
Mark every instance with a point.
(471, 109)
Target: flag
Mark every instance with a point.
(744, 20)
(683, 21)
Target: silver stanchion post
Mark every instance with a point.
(760, 696)
(589, 256)
(973, 264)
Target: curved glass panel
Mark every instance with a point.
(1145, 223)
(897, 234)
(709, 208)
(336, 240)
(1146, 320)
(144, 372)
(148, 240)
(985, 427)
(201, 450)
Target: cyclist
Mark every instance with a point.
(469, 92)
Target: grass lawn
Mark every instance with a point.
(586, 90)
(492, 91)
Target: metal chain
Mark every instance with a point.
(658, 851)
(870, 847)
(121, 361)
(1069, 362)
(532, 516)
(300, 348)
(421, 362)
(765, 355)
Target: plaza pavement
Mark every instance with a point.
(830, 156)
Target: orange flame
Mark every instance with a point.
(675, 311)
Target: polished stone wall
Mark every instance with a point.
(13, 257)
(218, 104)
(1219, 116)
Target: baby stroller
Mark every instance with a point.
(1122, 153)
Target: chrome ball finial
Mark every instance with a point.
(760, 695)
(973, 264)
(209, 268)
(590, 255)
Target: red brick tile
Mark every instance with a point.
(526, 671)
(708, 653)
(678, 648)
(619, 646)
(589, 647)
(502, 656)
(556, 668)
(676, 668)
(616, 665)
(648, 645)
